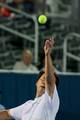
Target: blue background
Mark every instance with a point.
(17, 88)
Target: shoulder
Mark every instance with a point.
(34, 67)
(52, 99)
(18, 63)
(52, 102)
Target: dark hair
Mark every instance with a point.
(56, 76)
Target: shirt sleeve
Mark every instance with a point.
(52, 102)
(16, 112)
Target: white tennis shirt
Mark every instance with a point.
(41, 108)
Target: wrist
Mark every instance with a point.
(47, 54)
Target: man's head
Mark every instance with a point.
(40, 83)
(27, 57)
(3, 1)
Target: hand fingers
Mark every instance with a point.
(48, 43)
(52, 40)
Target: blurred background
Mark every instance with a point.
(19, 30)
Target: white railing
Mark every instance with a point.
(68, 54)
(34, 18)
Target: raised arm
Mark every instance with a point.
(4, 115)
(49, 68)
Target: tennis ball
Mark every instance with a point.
(42, 19)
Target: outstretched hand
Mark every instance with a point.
(48, 46)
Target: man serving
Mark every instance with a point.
(46, 103)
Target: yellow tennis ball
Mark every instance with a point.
(42, 19)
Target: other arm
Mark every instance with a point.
(4, 115)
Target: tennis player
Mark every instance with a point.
(46, 103)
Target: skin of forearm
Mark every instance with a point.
(49, 68)
(49, 74)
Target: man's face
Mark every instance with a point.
(41, 85)
(27, 58)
